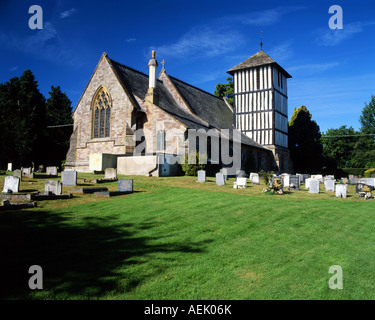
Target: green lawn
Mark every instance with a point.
(178, 239)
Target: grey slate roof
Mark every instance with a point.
(206, 106)
(259, 59)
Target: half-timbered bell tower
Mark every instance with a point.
(261, 104)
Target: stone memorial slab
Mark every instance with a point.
(241, 182)
(220, 179)
(125, 185)
(255, 178)
(53, 186)
(329, 185)
(11, 184)
(307, 182)
(26, 170)
(314, 185)
(10, 167)
(240, 174)
(201, 176)
(285, 180)
(51, 171)
(224, 171)
(341, 191)
(69, 177)
(17, 173)
(294, 182)
(110, 174)
(365, 192)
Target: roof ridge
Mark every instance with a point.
(190, 85)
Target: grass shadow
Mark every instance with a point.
(81, 259)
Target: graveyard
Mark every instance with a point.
(186, 238)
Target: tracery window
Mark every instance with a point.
(102, 114)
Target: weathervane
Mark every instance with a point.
(261, 41)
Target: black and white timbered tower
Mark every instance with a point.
(261, 104)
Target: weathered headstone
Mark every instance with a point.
(241, 182)
(341, 190)
(10, 167)
(17, 173)
(125, 185)
(220, 179)
(53, 186)
(314, 185)
(11, 184)
(285, 180)
(307, 182)
(69, 177)
(26, 170)
(110, 173)
(51, 171)
(201, 176)
(255, 178)
(329, 184)
(294, 181)
(224, 171)
(241, 174)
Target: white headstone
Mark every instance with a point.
(26, 170)
(307, 183)
(110, 173)
(11, 184)
(314, 185)
(52, 171)
(220, 179)
(341, 190)
(53, 186)
(285, 180)
(10, 167)
(329, 184)
(241, 182)
(255, 178)
(201, 176)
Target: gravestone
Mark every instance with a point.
(125, 185)
(53, 186)
(201, 176)
(69, 177)
(365, 192)
(358, 187)
(305, 176)
(51, 171)
(329, 184)
(241, 174)
(26, 170)
(17, 173)
(255, 178)
(220, 179)
(341, 190)
(224, 171)
(307, 182)
(110, 173)
(301, 178)
(11, 184)
(294, 181)
(241, 182)
(314, 185)
(344, 181)
(285, 179)
(10, 167)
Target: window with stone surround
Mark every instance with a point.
(101, 114)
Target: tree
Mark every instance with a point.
(339, 147)
(304, 142)
(225, 90)
(58, 114)
(367, 119)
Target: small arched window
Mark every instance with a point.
(102, 114)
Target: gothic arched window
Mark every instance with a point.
(101, 114)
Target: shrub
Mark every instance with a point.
(190, 168)
(369, 172)
(266, 176)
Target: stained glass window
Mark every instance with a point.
(102, 115)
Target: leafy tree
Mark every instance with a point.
(367, 119)
(339, 147)
(58, 113)
(225, 90)
(304, 142)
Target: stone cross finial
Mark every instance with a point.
(163, 63)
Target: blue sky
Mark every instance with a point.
(333, 70)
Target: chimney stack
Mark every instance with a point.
(151, 95)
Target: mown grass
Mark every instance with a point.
(178, 239)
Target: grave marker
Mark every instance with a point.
(11, 184)
(341, 190)
(201, 176)
(69, 177)
(53, 186)
(314, 185)
(220, 179)
(329, 184)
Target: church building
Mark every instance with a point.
(141, 124)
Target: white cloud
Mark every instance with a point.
(67, 13)
(313, 67)
(281, 52)
(130, 40)
(205, 41)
